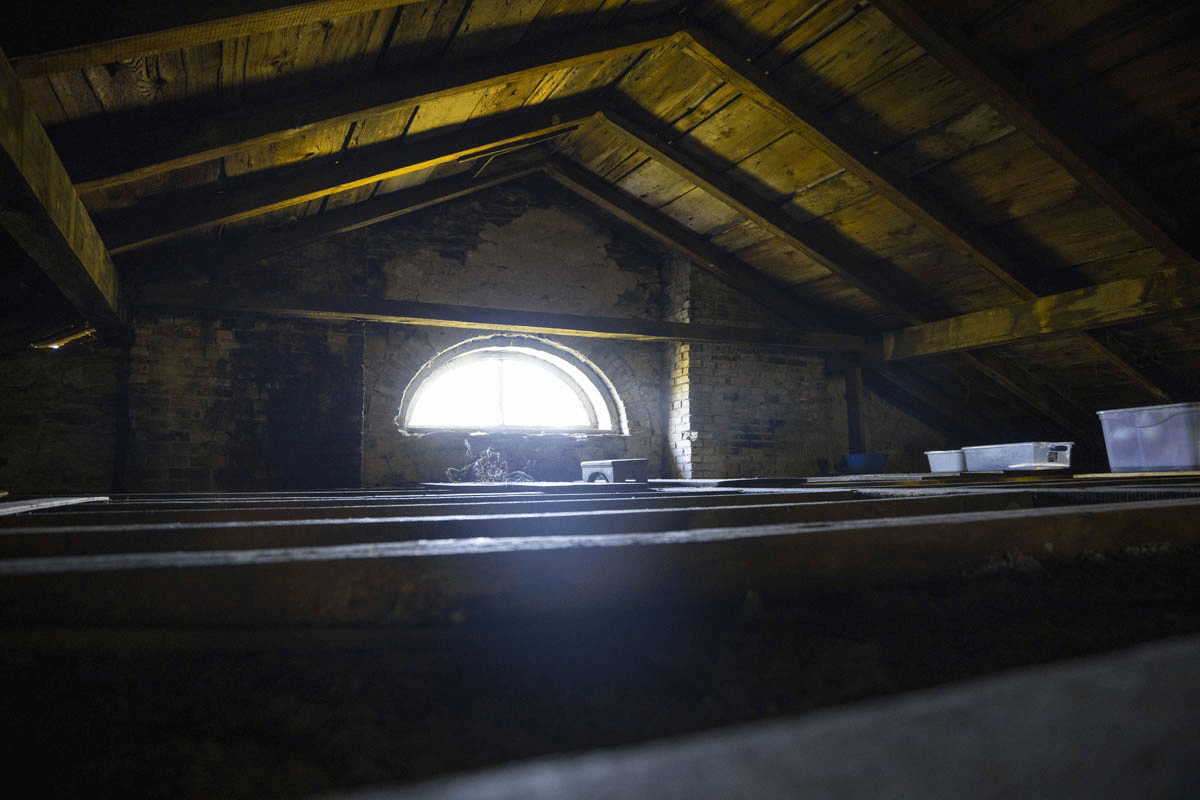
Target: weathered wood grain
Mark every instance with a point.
(504, 578)
(716, 261)
(266, 191)
(974, 65)
(1083, 309)
(42, 213)
(179, 32)
(158, 141)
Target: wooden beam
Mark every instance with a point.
(972, 63)
(855, 437)
(773, 296)
(178, 261)
(1044, 397)
(900, 296)
(406, 312)
(1094, 307)
(118, 148)
(481, 579)
(161, 218)
(38, 504)
(918, 398)
(178, 28)
(43, 214)
(888, 183)
(538, 519)
(895, 291)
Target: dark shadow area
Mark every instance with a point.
(306, 711)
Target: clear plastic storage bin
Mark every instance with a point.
(1152, 438)
(1020, 455)
(946, 461)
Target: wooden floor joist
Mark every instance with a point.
(432, 581)
(1130, 717)
(236, 532)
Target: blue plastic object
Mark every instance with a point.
(866, 463)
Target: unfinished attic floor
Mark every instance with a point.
(161, 645)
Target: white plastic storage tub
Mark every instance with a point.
(1152, 438)
(1028, 455)
(946, 461)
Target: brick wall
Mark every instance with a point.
(518, 249)
(246, 404)
(59, 411)
(743, 410)
(243, 404)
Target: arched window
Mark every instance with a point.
(510, 383)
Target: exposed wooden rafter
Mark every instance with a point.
(826, 247)
(688, 243)
(160, 219)
(974, 65)
(407, 312)
(777, 298)
(906, 195)
(42, 213)
(1094, 307)
(177, 27)
(896, 294)
(148, 143)
(175, 262)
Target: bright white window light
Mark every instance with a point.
(509, 387)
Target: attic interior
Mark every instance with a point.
(280, 520)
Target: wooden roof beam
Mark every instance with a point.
(1094, 307)
(894, 291)
(769, 294)
(888, 183)
(160, 219)
(774, 297)
(407, 312)
(42, 213)
(176, 260)
(970, 62)
(115, 149)
(176, 26)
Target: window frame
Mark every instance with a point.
(545, 353)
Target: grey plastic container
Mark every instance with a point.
(946, 461)
(1152, 438)
(1019, 454)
